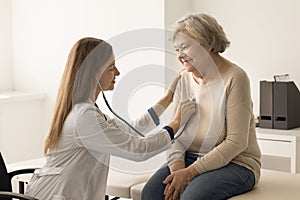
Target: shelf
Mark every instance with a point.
(12, 96)
(276, 134)
(281, 143)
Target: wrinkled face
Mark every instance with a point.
(190, 54)
(107, 79)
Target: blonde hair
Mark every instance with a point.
(204, 29)
(78, 82)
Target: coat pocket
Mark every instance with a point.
(49, 171)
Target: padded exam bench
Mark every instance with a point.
(273, 185)
(119, 183)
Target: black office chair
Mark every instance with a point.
(5, 183)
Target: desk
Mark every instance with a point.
(282, 143)
(34, 163)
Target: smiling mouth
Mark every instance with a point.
(185, 60)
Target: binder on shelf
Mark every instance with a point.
(286, 109)
(279, 105)
(266, 104)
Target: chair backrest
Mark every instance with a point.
(5, 182)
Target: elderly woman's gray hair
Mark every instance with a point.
(204, 29)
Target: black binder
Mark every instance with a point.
(286, 105)
(266, 105)
(279, 105)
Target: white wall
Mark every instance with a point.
(174, 10)
(44, 31)
(6, 70)
(264, 36)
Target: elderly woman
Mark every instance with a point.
(218, 155)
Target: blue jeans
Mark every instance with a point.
(222, 183)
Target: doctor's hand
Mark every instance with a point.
(184, 111)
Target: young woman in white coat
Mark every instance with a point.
(82, 138)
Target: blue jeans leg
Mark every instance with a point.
(223, 183)
(154, 188)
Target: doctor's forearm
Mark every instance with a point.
(174, 124)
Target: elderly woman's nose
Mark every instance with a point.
(181, 55)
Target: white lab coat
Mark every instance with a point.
(78, 168)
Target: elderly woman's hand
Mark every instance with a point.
(177, 181)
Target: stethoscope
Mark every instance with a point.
(129, 125)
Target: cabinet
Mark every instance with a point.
(281, 143)
(22, 122)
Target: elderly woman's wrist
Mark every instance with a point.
(177, 165)
(192, 171)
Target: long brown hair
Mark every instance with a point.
(78, 82)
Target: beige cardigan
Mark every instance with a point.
(223, 130)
